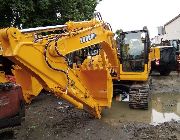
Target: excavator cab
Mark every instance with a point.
(134, 51)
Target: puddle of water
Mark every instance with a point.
(163, 108)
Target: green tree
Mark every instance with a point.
(118, 32)
(33, 13)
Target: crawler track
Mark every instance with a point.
(139, 96)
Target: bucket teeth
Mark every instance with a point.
(95, 63)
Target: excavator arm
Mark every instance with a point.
(89, 86)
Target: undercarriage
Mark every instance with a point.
(137, 93)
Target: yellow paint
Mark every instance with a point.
(3, 77)
(30, 86)
(154, 53)
(135, 76)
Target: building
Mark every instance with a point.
(170, 31)
(173, 26)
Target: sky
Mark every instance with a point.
(135, 14)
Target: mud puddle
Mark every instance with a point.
(164, 107)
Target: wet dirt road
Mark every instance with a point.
(164, 107)
(51, 118)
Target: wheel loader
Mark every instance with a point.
(164, 58)
(80, 61)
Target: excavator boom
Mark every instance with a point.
(47, 58)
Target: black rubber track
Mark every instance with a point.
(139, 96)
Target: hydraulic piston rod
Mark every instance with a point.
(44, 29)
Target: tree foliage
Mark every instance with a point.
(118, 32)
(33, 13)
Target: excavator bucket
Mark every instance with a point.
(95, 76)
(30, 86)
(99, 83)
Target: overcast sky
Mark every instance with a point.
(134, 14)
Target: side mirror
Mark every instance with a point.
(143, 37)
(143, 40)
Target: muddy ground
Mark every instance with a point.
(50, 118)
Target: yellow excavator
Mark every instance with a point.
(80, 61)
(135, 65)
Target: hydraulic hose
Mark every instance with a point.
(56, 69)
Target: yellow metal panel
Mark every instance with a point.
(3, 77)
(30, 86)
(154, 53)
(135, 76)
